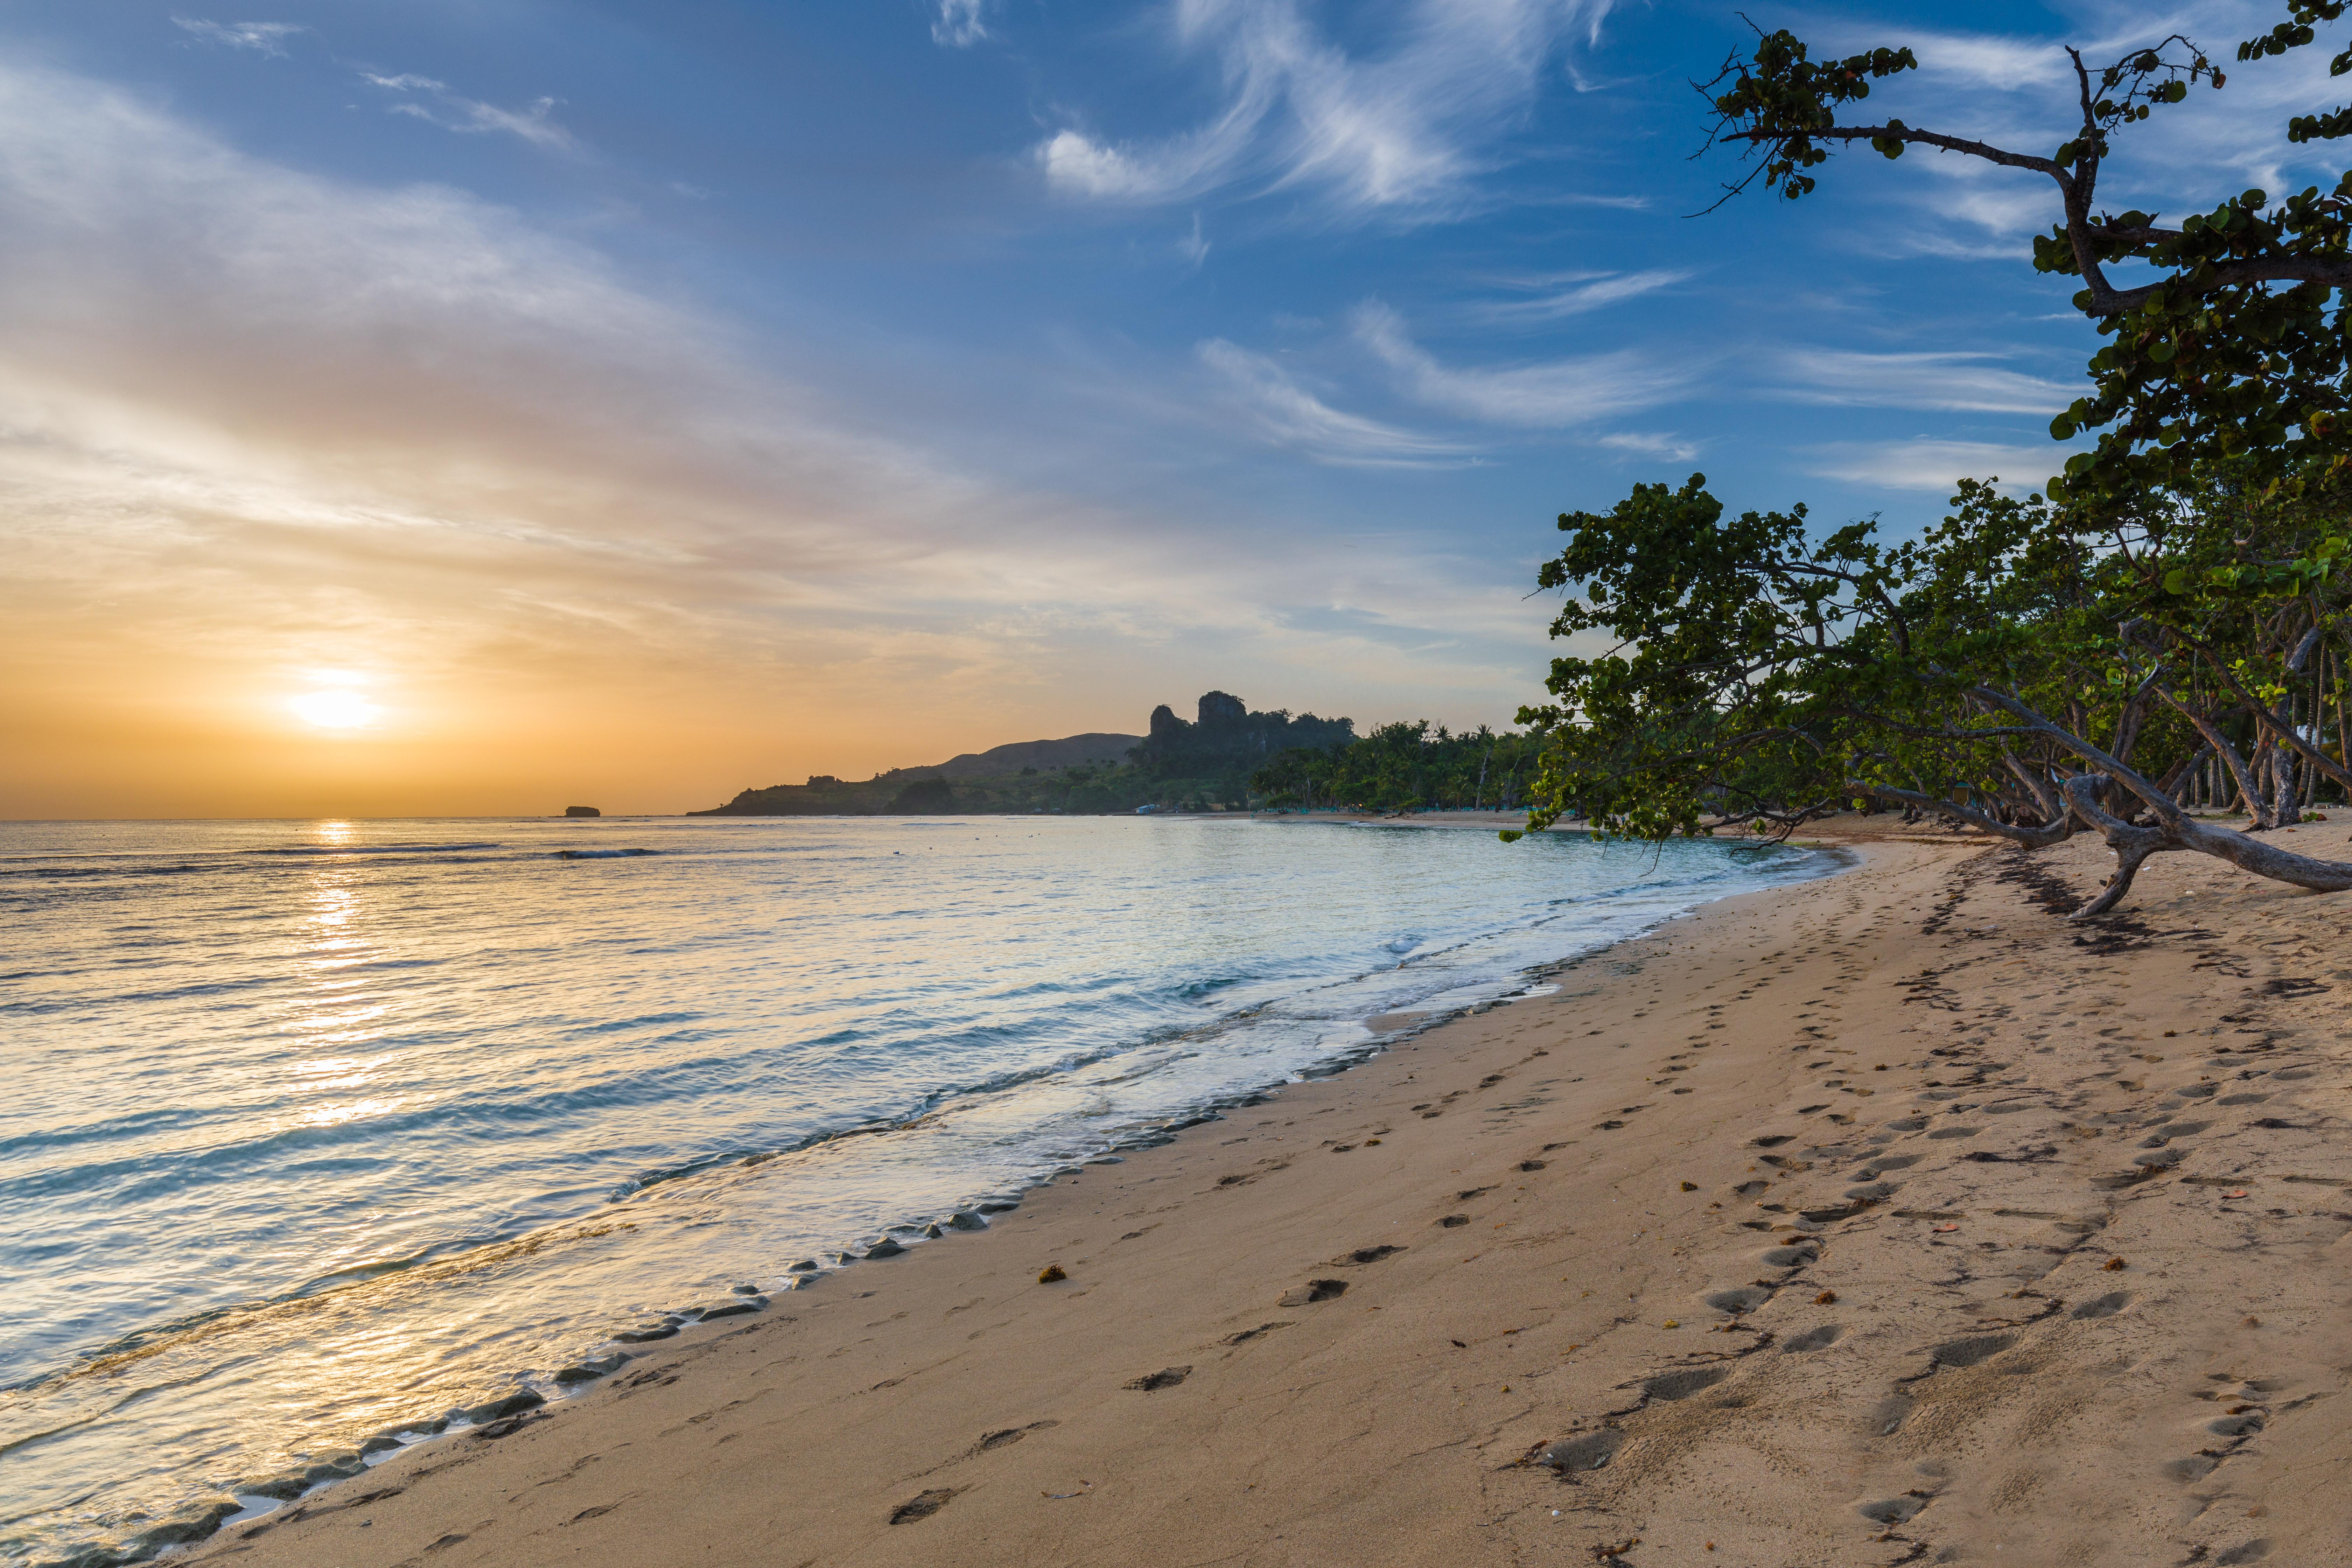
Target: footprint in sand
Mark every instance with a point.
(1166, 1377)
(1246, 1335)
(1365, 1255)
(922, 1505)
(1314, 1290)
(1681, 1385)
(1589, 1451)
(1973, 1349)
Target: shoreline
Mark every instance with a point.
(336, 1465)
(1392, 1419)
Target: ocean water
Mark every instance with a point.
(317, 1136)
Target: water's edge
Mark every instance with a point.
(531, 1394)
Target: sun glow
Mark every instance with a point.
(335, 710)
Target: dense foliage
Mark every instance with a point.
(1404, 766)
(2022, 667)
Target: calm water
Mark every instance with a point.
(320, 1132)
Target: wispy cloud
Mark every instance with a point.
(1285, 414)
(1195, 247)
(1401, 127)
(1644, 445)
(262, 37)
(959, 24)
(1931, 463)
(1556, 296)
(437, 105)
(1963, 383)
(1547, 395)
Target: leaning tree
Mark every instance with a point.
(2180, 602)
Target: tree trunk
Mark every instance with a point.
(2227, 753)
(2174, 828)
(2031, 835)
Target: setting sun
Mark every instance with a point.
(335, 709)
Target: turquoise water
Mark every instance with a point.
(321, 1131)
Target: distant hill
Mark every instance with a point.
(1204, 761)
(998, 761)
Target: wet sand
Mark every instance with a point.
(1886, 1218)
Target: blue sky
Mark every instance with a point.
(794, 387)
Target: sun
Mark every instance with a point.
(335, 710)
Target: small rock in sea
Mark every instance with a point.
(996, 1208)
(179, 1529)
(383, 1443)
(735, 1307)
(589, 1371)
(967, 1220)
(747, 1289)
(932, 1233)
(283, 1489)
(514, 1404)
(805, 1265)
(886, 1248)
(644, 1332)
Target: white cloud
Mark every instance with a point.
(470, 117)
(1285, 414)
(1963, 383)
(1195, 247)
(265, 38)
(1400, 129)
(1549, 394)
(1652, 446)
(959, 24)
(1562, 294)
(1928, 463)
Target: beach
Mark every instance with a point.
(1881, 1218)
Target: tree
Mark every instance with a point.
(2232, 353)
(2180, 599)
(2003, 671)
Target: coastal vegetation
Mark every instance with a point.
(2160, 635)
(1405, 766)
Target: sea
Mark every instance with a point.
(320, 1140)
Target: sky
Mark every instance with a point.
(483, 406)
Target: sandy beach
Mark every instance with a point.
(1885, 1218)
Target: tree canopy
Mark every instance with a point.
(2235, 350)
(2024, 667)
